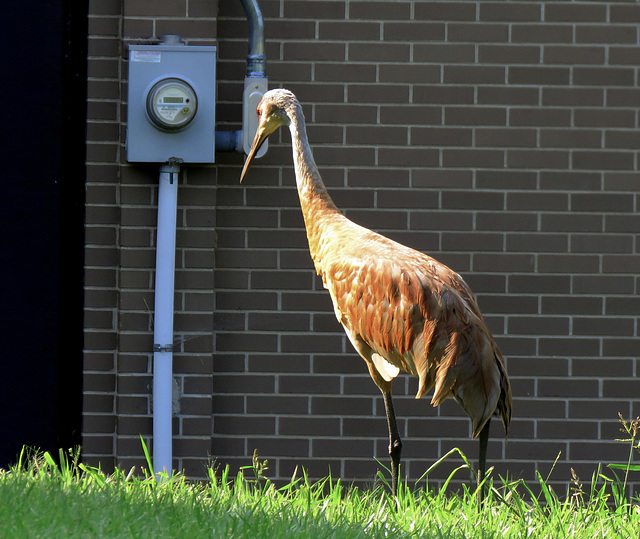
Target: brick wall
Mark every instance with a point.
(500, 138)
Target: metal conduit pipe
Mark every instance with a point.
(255, 84)
(256, 59)
(163, 318)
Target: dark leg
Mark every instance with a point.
(395, 443)
(483, 438)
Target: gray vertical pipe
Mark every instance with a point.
(231, 141)
(256, 59)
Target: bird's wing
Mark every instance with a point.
(406, 311)
(387, 303)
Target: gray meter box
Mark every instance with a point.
(171, 103)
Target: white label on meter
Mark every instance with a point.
(172, 104)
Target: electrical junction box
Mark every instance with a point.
(171, 103)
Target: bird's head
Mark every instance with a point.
(272, 113)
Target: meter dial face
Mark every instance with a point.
(172, 104)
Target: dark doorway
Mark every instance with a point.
(42, 219)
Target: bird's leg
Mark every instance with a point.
(395, 443)
(483, 438)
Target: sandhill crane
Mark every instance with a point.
(401, 309)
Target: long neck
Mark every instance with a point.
(317, 207)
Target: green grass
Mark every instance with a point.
(42, 498)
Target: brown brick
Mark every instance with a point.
(313, 51)
(196, 28)
(168, 9)
(563, 429)
(478, 33)
(340, 447)
(601, 367)
(539, 284)
(379, 10)
(572, 305)
(535, 450)
(465, 241)
(319, 343)
(565, 12)
(620, 263)
(441, 221)
(418, 74)
(625, 13)
(446, 11)
(196, 426)
(539, 75)
(572, 96)
(563, 263)
(621, 347)
(574, 55)
(537, 201)
(603, 76)
(603, 284)
(277, 404)
(546, 325)
(553, 180)
(402, 157)
(489, 283)
(606, 34)
(603, 326)
(502, 95)
(472, 158)
(537, 117)
(601, 243)
(542, 243)
(444, 53)
(603, 118)
(601, 202)
(569, 347)
(443, 95)
(570, 138)
(277, 363)
(506, 179)
(310, 426)
(567, 388)
(352, 72)
(223, 446)
(473, 200)
(505, 138)
(376, 135)
(571, 222)
(542, 33)
(244, 425)
(346, 30)
(474, 74)
(622, 139)
(509, 54)
(288, 447)
(504, 304)
(343, 406)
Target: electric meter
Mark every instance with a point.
(172, 104)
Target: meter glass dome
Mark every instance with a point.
(172, 104)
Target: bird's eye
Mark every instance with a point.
(259, 112)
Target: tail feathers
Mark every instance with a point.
(500, 402)
(476, 378)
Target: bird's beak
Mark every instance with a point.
(262, 133)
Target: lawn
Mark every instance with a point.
(46, 497)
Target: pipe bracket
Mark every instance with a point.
(163, 348)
